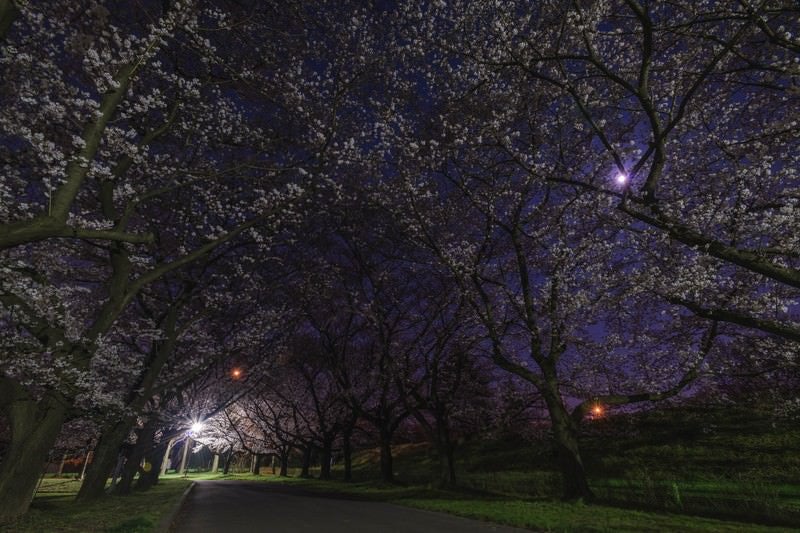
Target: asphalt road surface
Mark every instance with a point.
(241, 506)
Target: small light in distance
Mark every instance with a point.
(236, 373)
(197, 427)
(621, 178)
(597, 410)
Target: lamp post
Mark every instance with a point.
(165, 462)
(195, 428)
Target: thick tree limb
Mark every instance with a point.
(47, 227)
(78, 167)
(747, 259)
(783, 330)
(8, 12)
(53, 224)
(625, 399)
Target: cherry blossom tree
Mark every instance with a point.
(452, 395)
(205, 317)
(678, 113)
(375, 367)
(265, 423)
(552, 161)
(538, 281)
(111, 156)
(221, 437)
(322, 411)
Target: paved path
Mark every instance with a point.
(241, 506)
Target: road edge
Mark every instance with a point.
(165, 523)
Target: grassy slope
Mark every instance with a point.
(729, 464)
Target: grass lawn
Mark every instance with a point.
(558, 516)
(54, 509)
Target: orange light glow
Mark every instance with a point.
(597, 410)
(236, 373)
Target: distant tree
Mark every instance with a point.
(452, 397)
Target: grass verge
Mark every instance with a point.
(139, 512)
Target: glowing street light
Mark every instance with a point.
(236, 373)
(621, 178)
(194, 429)
(597, 410)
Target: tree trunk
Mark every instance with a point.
(8, 12)
(155, 457)
(117, 473)
(129, 471)
(565, 440)
(86, 460)
(284, 462)
(387, 468)
(255, 465)
(326, 453)
(445, 448)
(228, 460)
(61, 466)
(104, 458)
(347, 451)
(215, 464)
(306, 462)
(447, 467)
(167, 460)
(144, 445)
(187, 444)
(34, 428)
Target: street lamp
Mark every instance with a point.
(194, 429)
